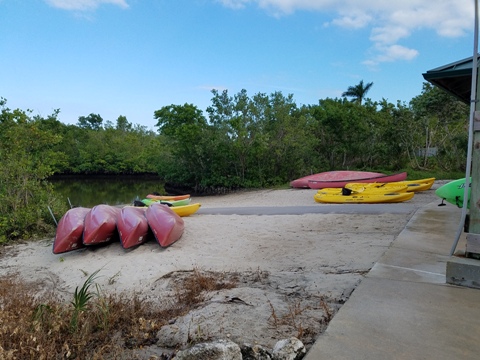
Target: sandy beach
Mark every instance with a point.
(284, 264)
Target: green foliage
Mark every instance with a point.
(92, 121)
(28, 159)
(184, 131)
(123, 124)
(441, 122)
(120, 150)
(259, 141)
(438, 174)
(242, 141)
(266, 140)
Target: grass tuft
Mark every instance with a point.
(80, 300)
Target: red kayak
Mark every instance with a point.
(341, 182)
(68, 236)
(351, 176)
(100, 224)
(165, 224)
(132, 226)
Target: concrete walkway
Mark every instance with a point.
(404, 309)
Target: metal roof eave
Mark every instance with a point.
(455, 78)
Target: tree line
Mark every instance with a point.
(241, 141)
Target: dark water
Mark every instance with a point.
(112, 190)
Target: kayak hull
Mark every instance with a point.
(100, 224)
(417, 185)
(167, 197)
(363, 198)
(68, 236)
(347, 175)
(186, 210)
(375, 187)
(132, 226)
(320, 184)
(453, 192)
(165, 224)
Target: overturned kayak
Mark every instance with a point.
(100, 224)
(132, 226)
(343, 175)
(165, 224)
(341, 182)
(68, 236)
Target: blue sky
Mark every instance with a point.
(132, 57)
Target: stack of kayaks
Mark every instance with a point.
(373, 193)
(180, 204)
(133, 225)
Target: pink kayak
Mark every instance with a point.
(132, 226)
(100, 224)
(341, 182)
(68, 236)
(165, 224)
(333, 175)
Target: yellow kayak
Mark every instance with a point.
(419, 185)
(421, 181)
(186, 210)
(363, 198)
(367, 188)
(377, 187)
(398, 186)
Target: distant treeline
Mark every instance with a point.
(240, 142)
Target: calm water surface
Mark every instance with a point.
(112, 190)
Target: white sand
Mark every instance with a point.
(301, 257)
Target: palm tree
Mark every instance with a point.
(358, 92)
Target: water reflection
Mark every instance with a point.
(112, 190)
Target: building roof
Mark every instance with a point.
(455, 78)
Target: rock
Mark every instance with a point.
(288, 349)
(255, 352)
(246, 321)
(217, 350)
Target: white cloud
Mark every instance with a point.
(389, 34)
(84, 5)
(396, 52)
(390, 21)
(234, 4)
(353, 21)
